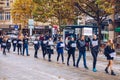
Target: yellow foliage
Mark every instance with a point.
(21, 11)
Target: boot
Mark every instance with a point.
(106, 70)
(112, 73)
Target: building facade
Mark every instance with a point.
(5, 16)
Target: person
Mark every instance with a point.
(81, 44)
(43, 47)
(19, 45)
(1, 41)
(25, 45)
(9, 44)
(49, 47)
(36, 47)
(60, 51)
(71, 51)
(109, 51)
(87, 40)
(14, 43)
(4, 45)
(94, 45)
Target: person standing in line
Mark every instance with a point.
(19, 45)
(1, 37)
(49, 47)
(43, 47)
(109, 52)
(4, 45)
(60, 49)
(71, 50)
(94, 51)
(14, 42)
(36, 47)
(81, 44)
(9, 44)
(25, 45)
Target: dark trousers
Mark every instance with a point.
(25, 47)
(43, 51)
(14, 47)
(49, 54)
(4, 50)
(84, 58)
(8, 48)
(19, 50)
(94, 54)
(61, 57)
(36, 52)
(71, 52)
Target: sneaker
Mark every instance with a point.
(94, 70)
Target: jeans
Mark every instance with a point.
(84, 58)
(94, 54)
(25, 47)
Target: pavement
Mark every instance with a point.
(18, 67)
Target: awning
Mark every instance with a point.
(117, 29)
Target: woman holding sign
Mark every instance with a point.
(49, 47)
(71, 50)
(110, 54)
(60, 51)
(81, 44)
(94, 50)
(36, 47)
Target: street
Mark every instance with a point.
(17, 67)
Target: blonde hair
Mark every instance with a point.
(111, 44)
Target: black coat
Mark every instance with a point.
(81, 45)
(107, 51)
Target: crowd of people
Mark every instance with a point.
(48, 46)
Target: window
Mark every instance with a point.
(7, 15)
(7, 3)
(1, 16)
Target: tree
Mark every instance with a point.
(97, 9)
(61, 10)
(22, 11)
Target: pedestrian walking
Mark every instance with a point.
(14, 43)
(110, 54)
(36, 47)
(9, 44)
(50, 46)
(4, 45)
(60, 49)
(94, 51)
(71, 50)
(25, 45)
(1, 38)
(43, 47)
(19, 45)
(81, 44)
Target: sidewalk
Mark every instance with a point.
(14, 67)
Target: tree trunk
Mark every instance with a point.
(99, 32)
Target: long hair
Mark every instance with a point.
(111, 44)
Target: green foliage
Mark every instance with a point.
(62, 10)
